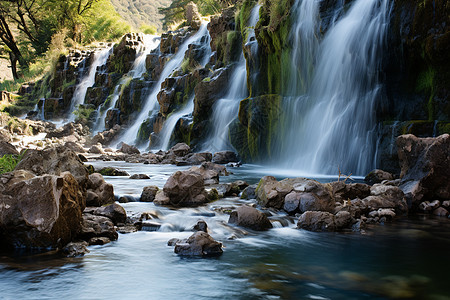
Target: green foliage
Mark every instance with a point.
(84, 114)
(141, 13)
(175, 12)
(148, 29)
(8, 162)
(426, 84)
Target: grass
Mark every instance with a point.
(9, 161)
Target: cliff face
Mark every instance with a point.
(415, 76)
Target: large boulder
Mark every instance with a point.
(185, 188)
(7, 148)
(199, 244)
(99, 191)
(250, 217)
(180, 149)
(304, 194)
(425, 165)
(386, 196)
(129, 149)
(149, 193)
(54, 161)
(324, 221)
(39, 211)
(97, 226)
(377, 176)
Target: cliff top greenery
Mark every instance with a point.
(33, 33)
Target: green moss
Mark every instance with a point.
(9, 161)
(426, 84)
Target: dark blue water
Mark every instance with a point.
(407, 259)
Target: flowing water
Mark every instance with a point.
(100, 58)
(188, 108)
(226, 109)
(151, 103)
(149, 43)
(330, 125)
(403, 259)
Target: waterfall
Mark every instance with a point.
(100, 58)
(332, 124)
(171, 122)
(225, 110)
(150, 42)
(151, 103)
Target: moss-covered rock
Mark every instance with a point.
(253, 135)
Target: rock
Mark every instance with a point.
(114, 211)
(210, 176)
(291, 202)
(377, 176)
(191, 13)
(224, 157)
(386, 196)
(161, 198)
(185, 188)
(446, 203)
(180, 149)
(127, 198)
(112, 172)
(139, 176)
(127, 149)
(39, 212)
(199, 244)
(249, 192)
(250, 217)
(271, 193)
(383, 212)
(75, 249)
(198, 158)
(424, 167)
(149, 193)
(201, 226)
(174, 241)
(99, 241)
(342, 191)
(54, 161)
(7, 148)
(75, 147)
(99, 191)
(5, 136)
(97, 226)
(96, 149)
(441, 212)
(324, 221)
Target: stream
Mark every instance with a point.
(403, 259)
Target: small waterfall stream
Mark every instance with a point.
(226, 109)
(151, 103)
(150, 42)
(331, 124)
(171, 122)
(100, 58)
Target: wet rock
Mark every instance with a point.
(112, 172)
(388, 213)
(149, 193)
(199, 244)
(291, 202)
(99, 191)
(377, 176)
(424, 167)
(271, 193)
(161, 198)
(96, 149)
(7, 148)
(128, 149)
(139, 176)
(250, 217)
(446, 203)
(224, 157)
(97, 226)
(441, 212)
(5, 136)
(209, 175)
(192, 15)
(69, 129)
(127, 199)
(198, 158)
(201, 226)
(342, 191)
(324, 221)
(39, 212)
(54, 161)
(99, 241)
(386, 196)
(429, 206)
(174, 241)
(249, 192)
(185, 188)
(180, 149)
(114, 211)
(75, 249)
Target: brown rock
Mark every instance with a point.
(114, 211)
(7, 148)
(149, 193)
(97, 226)
(377, 176)
(441, 212)
(185, 188)
(199, 244)
(99, 191)
(43, 211)
(250, 217)
(125, 148)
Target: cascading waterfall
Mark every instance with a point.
(151, 103)
(100, 58)
(334, 119)
(150, 42)
(226, 109)
(171, 122)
